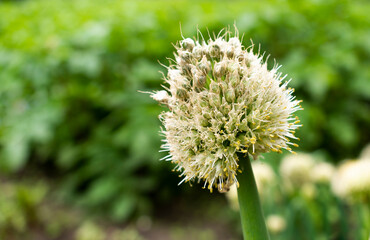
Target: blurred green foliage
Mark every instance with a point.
(70, 72)
(30, 212)
(18, 207)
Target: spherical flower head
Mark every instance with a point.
(223, 102)
(275, 223)
(322, 172)
(308, 190)
(295, 170)
(352, 180)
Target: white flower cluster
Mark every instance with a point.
(223, 102)
(352, 180)
(275, 223)
(302, 168)
(295, 170)
(322, 172)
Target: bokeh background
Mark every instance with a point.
(79, 143)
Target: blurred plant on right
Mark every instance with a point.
(315, 198)
(351, 182)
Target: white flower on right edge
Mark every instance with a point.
(352, 180)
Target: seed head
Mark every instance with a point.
(223, 102)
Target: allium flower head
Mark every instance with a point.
(295, 170)
(352, 180)
(276, 223)
(223, 101)
(322, 172)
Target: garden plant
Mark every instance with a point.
(225, 108)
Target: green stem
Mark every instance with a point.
(253, 222)
(364, 218)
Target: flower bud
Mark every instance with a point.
(203, 103)
(203, 121)
(225, 108)
(185, 56)
(214, 50)
(199, 80)
(214, 100)
(207, 115)
(198, 52)
(230, 51)
(186, 69)
(224, 86)
(181, 93)
(234, 79)
(219, 69)
(236, 44)
(204, 65)
(233, 67)
(214, 87)
(218, 115)
(188, 44)
(230, 95)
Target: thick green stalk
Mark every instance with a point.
(253, 222)
(364, 218)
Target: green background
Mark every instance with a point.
(72, 115)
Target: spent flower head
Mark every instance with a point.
(223, 102)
